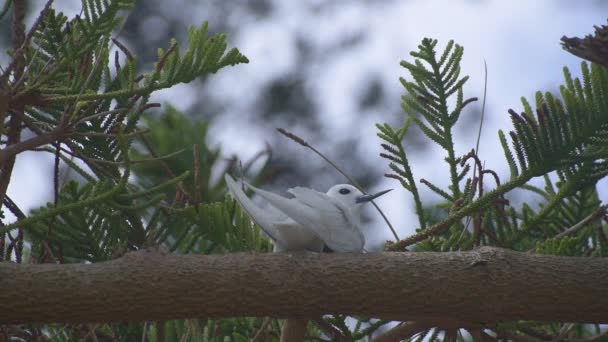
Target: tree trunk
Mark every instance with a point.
(486, 285)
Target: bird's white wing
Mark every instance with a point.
(264, 218)
(287, 234)
(316, 211)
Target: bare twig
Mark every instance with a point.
(20, 40)
(103, 134)
(261, 334)
(164, 166)
(9, 153)
(56, 173)
(266, 151)
(352, 181)
(144, 332)
(12, 206)
(483, 104)
(598, 213)
(138, 161)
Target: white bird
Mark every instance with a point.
(311, 219)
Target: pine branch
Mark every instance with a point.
(396, 154)
(428, 96)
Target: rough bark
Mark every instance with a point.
(486, 285)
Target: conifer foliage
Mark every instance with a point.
(75, 92)
(562, 138)
(124, 180)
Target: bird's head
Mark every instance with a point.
(350, 196)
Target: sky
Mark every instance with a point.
(519, 40)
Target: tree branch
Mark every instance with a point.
(482, 286)
(12, 150)
(14, 125)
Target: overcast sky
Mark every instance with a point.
(518, 39)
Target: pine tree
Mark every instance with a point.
(126, 184)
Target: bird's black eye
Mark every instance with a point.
(344, 191)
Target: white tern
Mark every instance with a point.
(310, 219)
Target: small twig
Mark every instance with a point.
(122, 48)
(266, 151)
(261, 334)
(144, 332)
(197, 174)
(19, 246)
(103, 134)
(475, 154)
(563, 331)
(483, 105)
(91, 332)
(164, 166)
(47, 256)
(8, 154)
(56, 173)
(599, 212)
(139, 161)
(12, 206)
(49, 232)
(479, 167)
(492, 236)
(352, 181)
(20, 47)
(3, 12)
(163, 59)
(14, 242)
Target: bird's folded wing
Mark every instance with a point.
(336, 225)
(296, 210)
(267, 220)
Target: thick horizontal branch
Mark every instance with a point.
(482, 286)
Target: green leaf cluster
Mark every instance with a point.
(562, 138)
(123, 179)
(427, 97)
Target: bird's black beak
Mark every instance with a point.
(370, 197)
